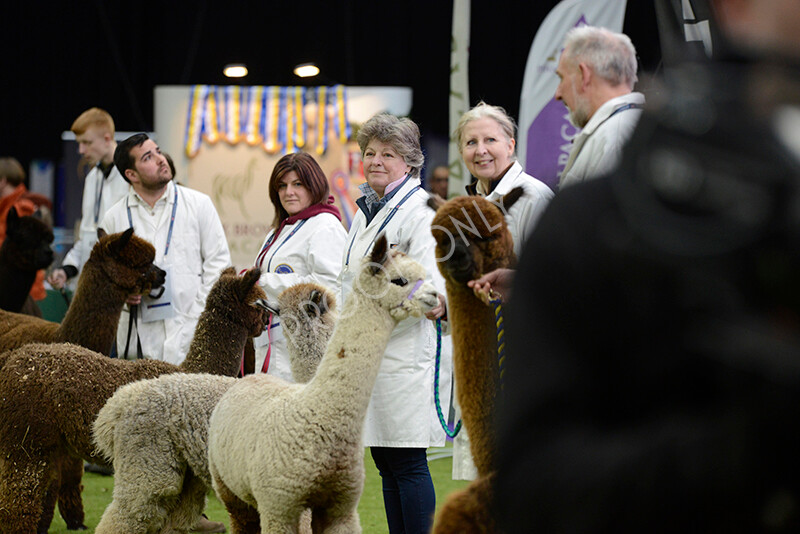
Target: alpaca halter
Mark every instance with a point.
(411, 295)
(416, 287)
(496, 301)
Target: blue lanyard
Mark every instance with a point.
(383, 225)
(171, 220)
(623, 108)
(272, 237)
(99, 196)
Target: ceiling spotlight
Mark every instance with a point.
(306, 70)
(235, 70)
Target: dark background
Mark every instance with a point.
(60, 58)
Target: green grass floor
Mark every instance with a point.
(97, 494)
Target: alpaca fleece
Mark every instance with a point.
(120, 264)
(308, 313)
(52, 394)
(473, 239)
(276, 449)
(156, 431)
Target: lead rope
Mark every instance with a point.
(496, 302)
(447, 430)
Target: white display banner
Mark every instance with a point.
(545, 133)
(459, 93)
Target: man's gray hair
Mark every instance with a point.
(401, 133)
(482, 110)
(610, 54)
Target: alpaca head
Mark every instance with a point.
(308, 316)
(472, 237)
(238, 299)
(27, 242)
(305, 307)
(396, 282)
(127, 260)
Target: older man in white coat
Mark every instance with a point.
(597, 73)
(185, 229)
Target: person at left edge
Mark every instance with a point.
(185, 229)
(304, 245)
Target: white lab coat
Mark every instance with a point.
(113, 188)
(522, 216)
(401, 411)
(198, 252)
(598, 147)
(312, 254)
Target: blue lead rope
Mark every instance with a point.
(501, 363)
(454, 431)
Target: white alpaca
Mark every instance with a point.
(308, 314)
(280, 448)
(156, 431)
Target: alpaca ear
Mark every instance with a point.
(318, 299)
(404, 247)
(379, 254)
(228, 271)
(435, 202)
(116, 246)
(510, 198)
(249, 279)
(12, 218)
(315, 296)
(101, 233)
(312, 309)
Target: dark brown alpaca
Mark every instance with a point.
(25, 251)
(472, 239)
(54, 392)
(120, 264)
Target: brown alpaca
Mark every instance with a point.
(53, 394)
(468, 511)
(25, 251)
(472, 239)
(120, 264)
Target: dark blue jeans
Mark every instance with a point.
(408, 495)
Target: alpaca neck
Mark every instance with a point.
(306, 351)
(351, 362)
(16, 283)
(474, 344)
(217, 346)
(476, 370)
(92, 317)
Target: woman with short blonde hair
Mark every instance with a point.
(486, 141)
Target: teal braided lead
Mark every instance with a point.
(501, 340)
(454, 432)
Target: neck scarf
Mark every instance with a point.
(311, 211)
